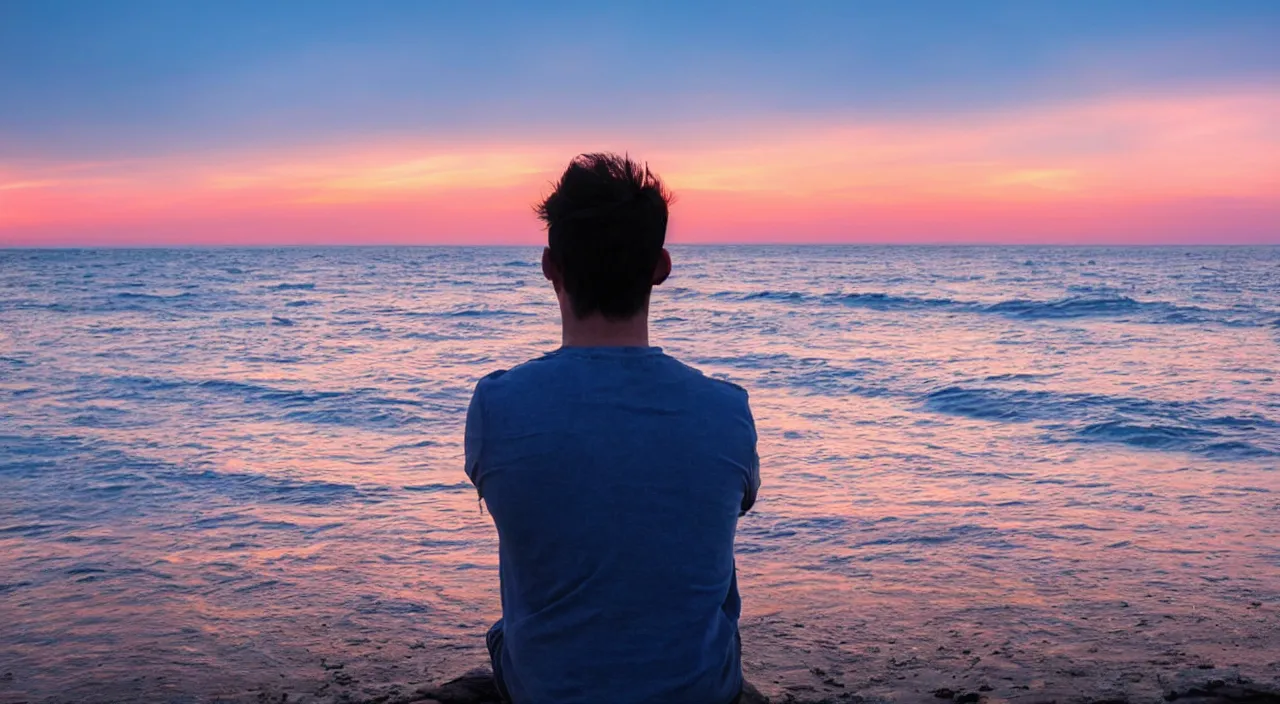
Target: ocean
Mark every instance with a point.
(231, 473)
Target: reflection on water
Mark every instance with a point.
(229, 469)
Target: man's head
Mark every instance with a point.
(606, 224)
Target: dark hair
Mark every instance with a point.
(606, 224)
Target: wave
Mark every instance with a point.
(1032, 404)
(27, 304)
(1013, 376)
(1160, 437)
(1176, 438)
(748, 361)
(1073, 307)
(1066, 308)
(757, 295)
(1101, 290)
(1085, 302)
(114, 469)
(260, 487)
(131, 296)
(360, 408)
(774, 296)
(1246, 422)
(807, 375)
(157, 303)
(1142, 423)
(885, 301)
(485, 313)
(1237, 449)
(128, 300)
(1124, 307)
(413, 445)
(434, 488)
(1016, 405)
(292, 287)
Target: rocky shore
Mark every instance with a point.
(1199, 686)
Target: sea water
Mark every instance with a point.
(229, 470)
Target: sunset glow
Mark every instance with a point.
(1163, 163)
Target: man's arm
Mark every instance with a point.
(471, 442)
(753, 470)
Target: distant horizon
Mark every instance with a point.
(678, 245)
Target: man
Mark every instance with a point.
(615, 474)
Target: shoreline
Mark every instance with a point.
(337, 686)
(1204, 686)
(382, 671)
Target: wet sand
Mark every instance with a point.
(385, 671)
(1136, 654)
(1201, 685)
(924, 679)
(1190, 686)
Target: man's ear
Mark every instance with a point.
(550, 270)
(663, 268)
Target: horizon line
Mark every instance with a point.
(832, 245)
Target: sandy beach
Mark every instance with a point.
(1196, 685)
(901, 682)
(970, 668)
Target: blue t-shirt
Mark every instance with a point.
(615, 477)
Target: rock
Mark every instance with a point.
(475, 687)
(968, 698)
(944, 693)
(751, 695)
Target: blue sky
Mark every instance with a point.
(103, 78)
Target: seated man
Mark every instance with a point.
(615, 474)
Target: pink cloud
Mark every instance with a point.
(1203, 167)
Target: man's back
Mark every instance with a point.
(615, 476)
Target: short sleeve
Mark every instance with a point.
(473, 438)
(753, 470)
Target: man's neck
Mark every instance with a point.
(597, 331)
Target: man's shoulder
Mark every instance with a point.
(711, 394)
(713, 385)
(517, 376)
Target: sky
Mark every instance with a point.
(252, 123)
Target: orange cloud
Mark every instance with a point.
(1115, 168)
